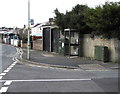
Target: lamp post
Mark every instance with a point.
(28, 42)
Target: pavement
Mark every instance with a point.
(48, 59)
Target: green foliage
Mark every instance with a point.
(73, 19)
(110, 26)
(102, 21)
(59, 19)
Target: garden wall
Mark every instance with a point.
(113, 45)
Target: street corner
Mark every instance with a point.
(53, 66)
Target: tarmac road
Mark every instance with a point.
(25, 78)
(6, 56)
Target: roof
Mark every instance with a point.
(2, 32)
(6, 32)
(50, 26)
(36, 25)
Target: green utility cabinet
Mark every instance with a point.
(101, 53)
(61, 46)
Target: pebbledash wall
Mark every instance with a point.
(88, 45)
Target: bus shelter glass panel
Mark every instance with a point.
(74, 37)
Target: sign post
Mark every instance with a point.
(28, 43)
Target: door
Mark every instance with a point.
(46, 39)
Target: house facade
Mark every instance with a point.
(9, 36)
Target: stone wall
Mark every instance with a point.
(88, 45)
(37, 45)
(117, 49)
(24, 45)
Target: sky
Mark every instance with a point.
(14, 13)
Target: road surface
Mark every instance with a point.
(17, 77)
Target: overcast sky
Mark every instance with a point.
(15, 12)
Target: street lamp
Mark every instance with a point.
(28, 43)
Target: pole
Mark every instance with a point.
(28, 44)
(50, 39)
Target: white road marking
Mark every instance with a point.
(7, 82)
(13, 64)
(13, 59)
(1, 77)
(2, 74)
(47, 80)
(6, 70)
(9, 68)
(3, 89)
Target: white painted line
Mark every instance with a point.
(1, 77)
(6, 70)
(7, 82)
(2, 74)
(9, 68)
(3, 89)
(13, 64)
(13, 59)
(48, 80)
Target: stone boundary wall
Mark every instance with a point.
(118, 50)
(113, 45)
(24, 45)
(37, 44)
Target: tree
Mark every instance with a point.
(102, 20)
(73, 19)
(93, 20)
(59, 19)
(110, 26)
